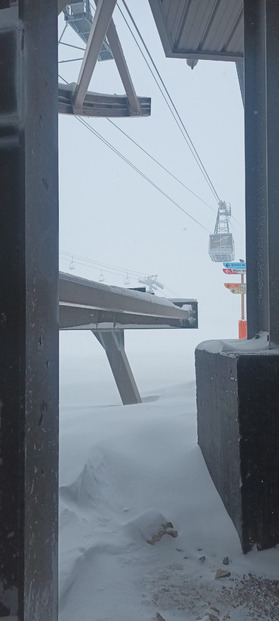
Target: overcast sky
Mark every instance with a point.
(108, 213)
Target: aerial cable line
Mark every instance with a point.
(135, 168)
(98, 268)
(117, 271)
(75, 47)
(70, 60)
(144, 151)
(172, 107)
(161, 165)
(99, 264)
(125, 159)
(122, 131)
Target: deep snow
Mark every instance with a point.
(123, 470)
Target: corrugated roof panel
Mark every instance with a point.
(237, 40)
(175, 15)
(178, 23)
(170, 9)
(225, 19)
(192, 31)
(200, 28)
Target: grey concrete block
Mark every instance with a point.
(238, 432)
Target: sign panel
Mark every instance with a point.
(235, 265)
(235, 285)
(239, 270)
(238, 291)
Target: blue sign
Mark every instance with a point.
(235, 265)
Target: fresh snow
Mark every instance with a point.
(123, 472)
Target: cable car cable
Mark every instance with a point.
(161, 165)
(184, 132)
(135, 168)
(87, 263)
(100, 264)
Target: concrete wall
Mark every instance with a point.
(238, 432)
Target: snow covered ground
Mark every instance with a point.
(124, 471)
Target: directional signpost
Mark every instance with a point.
(235, 265)
(238, 288)
(240, 270)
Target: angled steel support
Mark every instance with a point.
(98, 31)
(113, 344)
(122, 67)
(28, 311)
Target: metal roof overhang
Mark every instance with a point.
(89, 305)
(200, 29)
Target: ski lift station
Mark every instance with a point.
(237, 382)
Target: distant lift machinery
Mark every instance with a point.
(221, 243)
(78, 15)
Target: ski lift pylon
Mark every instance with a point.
(101, 277)
(221, 243)
(78, 15)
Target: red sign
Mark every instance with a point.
(239, 270)
(235, 287)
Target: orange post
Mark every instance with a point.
(242, 329)
(242, 324)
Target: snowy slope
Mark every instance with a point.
(123, 471)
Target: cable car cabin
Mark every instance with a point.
(221, 244)
(221, 247)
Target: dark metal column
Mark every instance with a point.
(256, 167)
(261, 27)
(272, 133)
(28, 310)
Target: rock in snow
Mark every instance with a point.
(150, 525)
(222, 573)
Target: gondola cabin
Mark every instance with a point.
(221, 247)
(221, 243)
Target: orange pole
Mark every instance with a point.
(242, 324)
(242, 300)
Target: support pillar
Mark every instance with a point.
(113, 344)
(256, 168)
(237, 387)
(28, 310)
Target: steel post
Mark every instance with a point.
(261, 24)
(272, 151)
(256, 167)
(28, 310)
